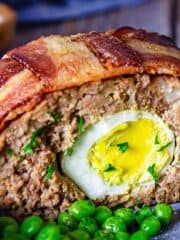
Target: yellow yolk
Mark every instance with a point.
(120, 153)
(124, 154)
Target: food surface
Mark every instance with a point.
(92, 115)
(83, 221)
(53, 63)
(129, 143)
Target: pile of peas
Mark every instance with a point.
(83, 221)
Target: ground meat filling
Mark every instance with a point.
(31, 180)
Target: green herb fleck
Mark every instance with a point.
(156, 139)
(28, 148)
(11, 129)
(21, 157)
(49, 112)
(164, 146)
(69, 151)
(109, 168)
(123, 147)
(10, 152)
(49, 173)
(151, 170)
(80, 125)
(54, 115)
(57, 116)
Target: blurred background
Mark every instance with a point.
(37, 17)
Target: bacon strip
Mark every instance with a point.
(18, 87)
(159, 53)
(125, 33)
(112, 52)
(8, 68)
(53, 63)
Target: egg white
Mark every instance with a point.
(78, 168)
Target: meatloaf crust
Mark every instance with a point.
(53, 63)
(51, 82)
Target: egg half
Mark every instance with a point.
(113, 155)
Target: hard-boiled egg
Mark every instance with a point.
(114, 155)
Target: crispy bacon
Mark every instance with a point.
(35, 58)
(53, 63)
(8, 68)
(125, 33)
(111, 51)
(18, 87)
(159, 53)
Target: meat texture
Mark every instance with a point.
(46, 85)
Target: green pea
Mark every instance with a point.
(50, 222)
(49, 232)
(66, 219)
(5, 221)
(104, 238)
(88, 224)
(63, 229)
(122, 236)
(31, 225)
(79, 234)
(139, 235)
(114, 225)
(126, 214)
(143, 213)
(100, 233)
(15, 236)
(82, 208)
(13, 228)
(100, 238)
(64, 238)
(8, 225)
(102, 213)
(111, 236)
(151, 226)
(104, 234)
(163, 212)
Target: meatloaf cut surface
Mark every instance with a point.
(48, 84)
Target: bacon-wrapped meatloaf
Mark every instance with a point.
(92, 115)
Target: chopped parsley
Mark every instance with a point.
(151, 170)
(109, 168)
(54, 115)
(21, 157)
(80, 125)
(57, 116)
(156, 139)
(10, 152)
(28, 148)
(49, 173)
(11, 129)
(49, 112)
(69, 151)
(164, 146)
(123, 147)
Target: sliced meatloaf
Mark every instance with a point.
(46, 85)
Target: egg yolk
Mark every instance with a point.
(123, 154)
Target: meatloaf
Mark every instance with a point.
(46, 85)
